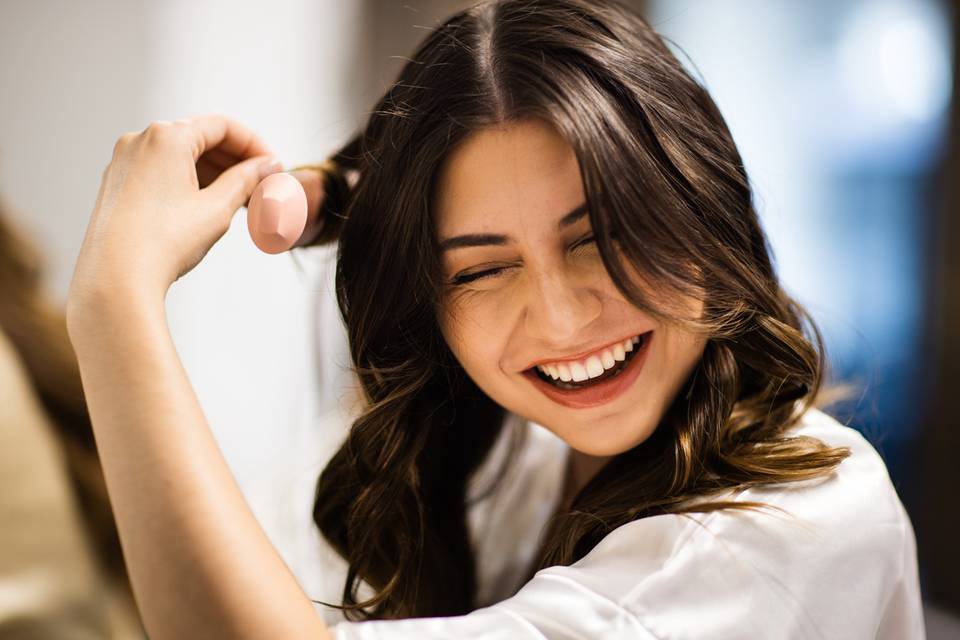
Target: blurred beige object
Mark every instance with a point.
(51, 585)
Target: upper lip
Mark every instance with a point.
(580, 355)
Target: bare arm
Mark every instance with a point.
(199, 563)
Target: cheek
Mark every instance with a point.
(681, 352)
(479, 320)
(472, 341)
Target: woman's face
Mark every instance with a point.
(546, 298)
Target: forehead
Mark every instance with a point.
(501, 175)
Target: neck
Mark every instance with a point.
(581, 468)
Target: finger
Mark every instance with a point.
(233, 188)
(215, 130)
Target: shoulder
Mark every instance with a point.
(859, 490)
(841, 565)
(846, 545)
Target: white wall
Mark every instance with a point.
(73, 77)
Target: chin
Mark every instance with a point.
(605, 438)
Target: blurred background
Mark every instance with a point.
(845, 113)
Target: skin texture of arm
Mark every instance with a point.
(200, 564)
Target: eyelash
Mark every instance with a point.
(471, 277)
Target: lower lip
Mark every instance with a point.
(600, 393)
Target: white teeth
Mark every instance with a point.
(607, 359)
(578, 371)
(594, 367)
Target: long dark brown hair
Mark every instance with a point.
(660, 171)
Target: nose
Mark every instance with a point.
(558, 308)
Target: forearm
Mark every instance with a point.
(199, 562)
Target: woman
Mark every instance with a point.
(60, 562)
(550, 221)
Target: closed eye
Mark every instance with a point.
(470, 277)
(464, 278)
(583, 241)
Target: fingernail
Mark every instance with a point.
(270, 165)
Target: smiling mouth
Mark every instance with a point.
(594, 392)
(606, 375)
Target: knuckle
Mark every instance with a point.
(174, 135)
(156, 127)
(162, 131)
(123, 141)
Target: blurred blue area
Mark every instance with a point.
(839, 110)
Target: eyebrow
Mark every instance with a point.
(484, 239)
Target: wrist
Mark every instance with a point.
(98, 313)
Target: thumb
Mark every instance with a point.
(232, 188)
